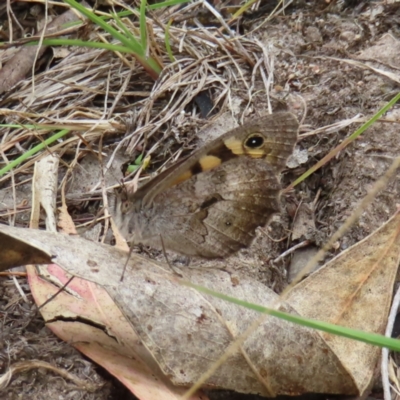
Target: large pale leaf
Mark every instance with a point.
(185, 331)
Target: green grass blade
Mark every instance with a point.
(366, 337)
(347, 141)
(33, 151)
(122, 26)
(148, 63)
(143, 27)
(133, 45)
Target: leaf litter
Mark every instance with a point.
(111, 104)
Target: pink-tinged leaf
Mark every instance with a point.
(84, 315)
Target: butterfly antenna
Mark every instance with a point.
(57, 293)
(166, 258)
(126, 264)
(52, 297)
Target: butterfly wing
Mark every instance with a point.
(278, 133)
(211, 203)
(216, 213)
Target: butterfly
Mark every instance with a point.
(210, 203)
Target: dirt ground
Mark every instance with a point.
(330, 60)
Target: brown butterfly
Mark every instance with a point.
(210, 203)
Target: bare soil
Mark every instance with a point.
(316, 45)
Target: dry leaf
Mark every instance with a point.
(85, 316)
(186, 331)
(304, 224)
(354, 290)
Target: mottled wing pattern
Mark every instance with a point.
(211, 203)
(216, 213)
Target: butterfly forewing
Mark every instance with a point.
(279, 133)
